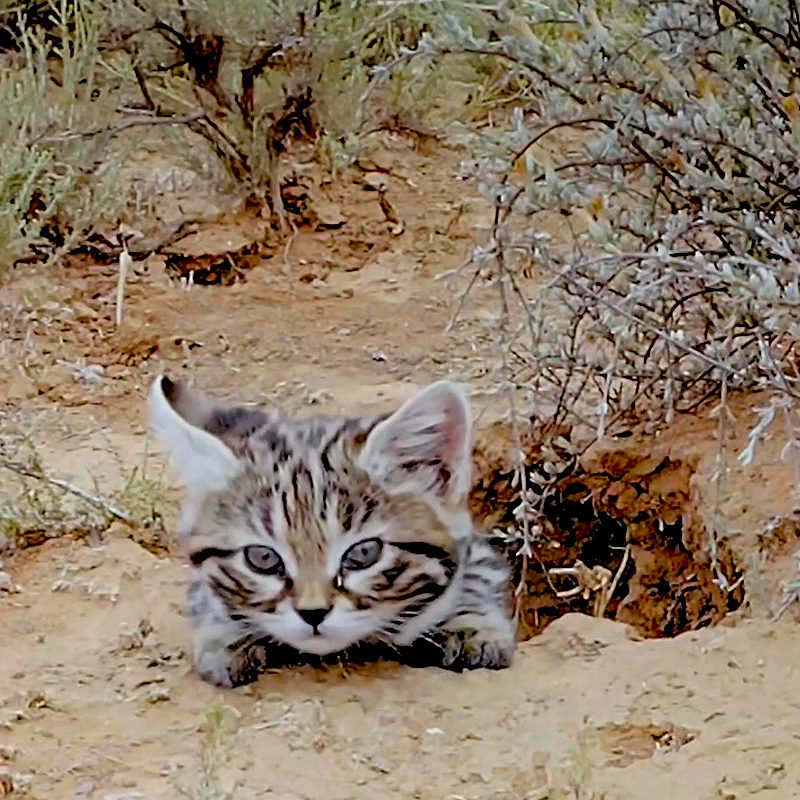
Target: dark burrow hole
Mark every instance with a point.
(620, 536)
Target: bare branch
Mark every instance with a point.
(104, 505)
(121, 125)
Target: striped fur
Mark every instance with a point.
(325, 533)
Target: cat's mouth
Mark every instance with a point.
(336, 632)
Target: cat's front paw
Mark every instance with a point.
(226, 668)
(474, 644)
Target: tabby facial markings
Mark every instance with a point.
(301, 477)
(239, 586)
(375, 583)
(325, 461)
(347, 517)
(326, 500)
(405, 581)
(267, 606)
(441, 558)
(239, 593)
(425, 549)
(199, 556)
(368, 506)
(391, 574)
(231, 597)
(334, 437)
(421, 586)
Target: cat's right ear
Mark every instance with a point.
(177, 415)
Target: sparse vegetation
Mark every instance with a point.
(232, 89)
(54, 182)
(216, 751)
(40, 505)
(625, 217)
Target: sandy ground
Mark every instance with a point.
(96, 696)
(91, 708)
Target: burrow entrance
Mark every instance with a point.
(620, 536)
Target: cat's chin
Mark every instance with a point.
(321, 645)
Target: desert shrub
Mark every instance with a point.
(233, 87)
(648, 175)
(271, 72)
(664, 137)
(58, 168)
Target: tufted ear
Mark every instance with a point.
(424, 447)
(180, 416)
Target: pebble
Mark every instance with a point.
(157, 694)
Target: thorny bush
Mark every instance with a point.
(667, 134)
(681, 185)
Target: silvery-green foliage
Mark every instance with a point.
(667, 134)
(50, 177)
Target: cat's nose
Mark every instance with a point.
(313, 616)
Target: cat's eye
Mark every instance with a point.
(263, 559)
(363, 555)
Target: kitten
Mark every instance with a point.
(324, 533)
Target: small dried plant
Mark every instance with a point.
(253, 78)
(216, 752)
(41, 505)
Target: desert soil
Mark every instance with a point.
(97, 699)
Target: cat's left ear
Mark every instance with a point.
(180, 416)
(424, 447)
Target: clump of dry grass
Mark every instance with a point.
(238, 91)
(41, 505)
(216, 751)
(55, 184)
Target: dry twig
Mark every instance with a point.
(97, 502)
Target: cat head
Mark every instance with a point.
(326, 531)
